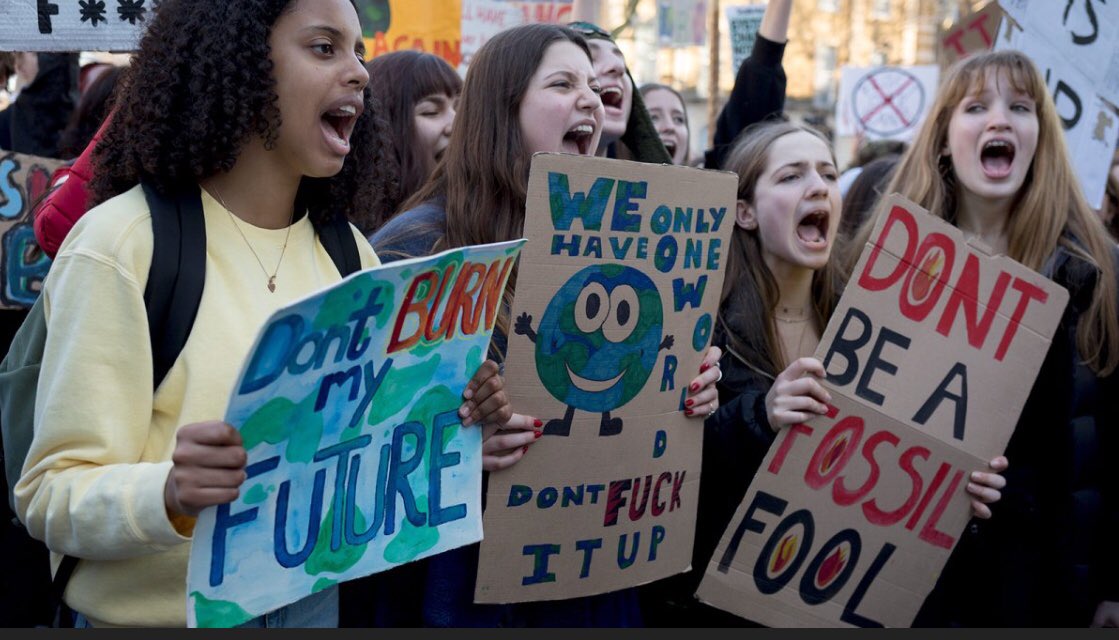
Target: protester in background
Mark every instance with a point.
(419, 93)
(47, 89)
(91, 111)
(670, 117)
(759, 86)
(1109, 211)
(628, 131)
(529, 89)
(780, 289)
(258, 104)
(866, 153)
(864, 193)
(990, 158)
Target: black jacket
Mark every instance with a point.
(759, 92)
(735, 441)
(1046, 557)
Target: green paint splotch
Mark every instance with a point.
(340, 304)
(218, 614)
(280, 420)
(400, 386)
(473, 361)
(258, 493)
(411, 541)
(322, 584)
(325, 560)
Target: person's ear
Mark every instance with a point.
(745, 217)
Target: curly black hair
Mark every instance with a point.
(199, 86)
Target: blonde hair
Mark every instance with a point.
(1048, 211)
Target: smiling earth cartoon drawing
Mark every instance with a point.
(598, 342)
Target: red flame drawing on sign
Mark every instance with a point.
(783, 554)
(926, 275)
(833, 454)
(831, 567)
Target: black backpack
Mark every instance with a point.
(171, 296)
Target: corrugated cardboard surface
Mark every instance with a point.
(904, 379)
(558, 465)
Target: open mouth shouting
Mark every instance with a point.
(612, 99)
(812, 229)
(997, 159)
(578, 139)
(338, 123)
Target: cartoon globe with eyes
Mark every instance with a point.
(598, 342)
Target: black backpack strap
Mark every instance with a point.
(172, 296)
(338, 240)
(178, 272)
(63, 615)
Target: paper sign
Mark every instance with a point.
(885, 102)
(616, 299)
(681, 23)
(483, 19)
(744, 22)
(970, 34)
(23, 180)
(1091, 124)
(851, 517)
(422, 25)
(358, 461)
(73, 25)
(1085, 33)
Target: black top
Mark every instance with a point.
(759, 92)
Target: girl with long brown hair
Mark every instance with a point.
(418, 93)
(991, 159)
(780, 290)
(529, 89)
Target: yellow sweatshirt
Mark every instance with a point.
(93, 481)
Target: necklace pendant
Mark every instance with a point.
(272, 284)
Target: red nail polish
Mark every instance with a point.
(689, 402)
(704, 367)
(537, 423)
(524, 449)
(688, 412)
(695, 387)
(538, 434)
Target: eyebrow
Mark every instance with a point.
(803, 164)
(337, 34)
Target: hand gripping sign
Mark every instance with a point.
(852, 515)
(358, 462)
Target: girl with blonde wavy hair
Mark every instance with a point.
(991, 159)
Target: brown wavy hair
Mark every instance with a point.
(1049, 210)
(198, 88)
(750, 293)
(483, 178)
(399, 81)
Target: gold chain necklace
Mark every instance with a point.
(233, 219)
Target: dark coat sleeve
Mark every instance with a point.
(42, 108)
(759, 91)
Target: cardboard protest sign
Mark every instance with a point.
(1091, 124)
(73, 25)
(884, 102)
(483, 19)
(422, 25)
(743, 23)
(358, 462)
(616, 297)
(23, 180)
(852, 516)
(970, 34)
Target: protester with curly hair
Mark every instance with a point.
(264, 105)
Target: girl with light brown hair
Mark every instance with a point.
(991, 159)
